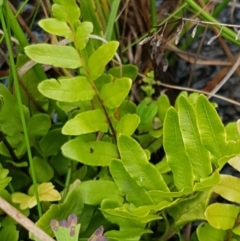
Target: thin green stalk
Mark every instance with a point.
(34, 16)
(220, 7)
(18, 33)
(18, 96)
(188, 41)
(23, 42)
(21, 8)
(111, 19)
(153, 12)
(68, 180)
(200, 29)
(22, 39)
(226, 32)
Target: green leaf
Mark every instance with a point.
(17, 143)
(127, 107)
(196, 152)
(128, 186)
(51, 143)
(1, 102)
(136, 163)
(9, 233)
(72, 204)
(207, 232)
(38, 125)
(128, 124)
(120, 212)
(18, 174)
(123, 222)
(55, 55)
(43, 170)
(10, 121)
(67, 89)
(30, 95)
(114, 93)
(69, 106)
(175, 151)
(163, 105)
(235, 162)
(157, 194)
(18, 164)
(66, 10)
(82, 35)
(232, 131)
(86, 122)
(236, 230)
(127, 70)
(56, 27)
(189, 209)
(131, 234)
(88, 215)
(46, 192)
(228, 188)
(66, 229)
(4, 179)
(207, 182)
(94, 153)
(232, 149)
(61, 164)
(211, 129)
(95, 191)
(99, 59)
(222, 216)
(102, 80)
(193, 97)
(147, 112)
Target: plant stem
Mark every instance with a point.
(226, 32)
(95, 89)
(153, 12)
(21, 37)
(68, 180)
(18, 96)
(111, 19)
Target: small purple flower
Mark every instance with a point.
(73, 219)
(64, 223)
(70, 224)
(54, 224)
(97, 235)
(99, 231)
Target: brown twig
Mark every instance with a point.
(24, 221)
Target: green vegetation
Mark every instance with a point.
(75, 147)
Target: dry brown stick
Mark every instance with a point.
(24, 221)
(225, 79)
(195, 90)
(223, 43)
(24, 25)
